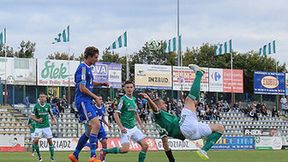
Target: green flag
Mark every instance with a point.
(120, 41)
(274, 46)
(125, 39)
(1, 39)
(114, 45)
(174, 44)
(230, 46)
(264, 50)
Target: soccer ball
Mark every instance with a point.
(154, 45)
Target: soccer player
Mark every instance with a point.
(127, 107)
(102, 136)
(40, 114)
(83, 100)
(32, 125)
(188, 126)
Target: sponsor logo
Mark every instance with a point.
(216, 76)
(269, 82)
(50, 71)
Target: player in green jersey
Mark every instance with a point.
(40, 114)
(127, 108)
(188, 126)
(32, 125)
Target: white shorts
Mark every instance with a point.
(135, 134)
(32, 136)
(43, 132)
(191, 128)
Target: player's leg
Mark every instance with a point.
(139, 137)
(47, 133)
(167, 150)
(102, 136)
(217, 131)
(124, 142)
(33, 145)
(37, 135)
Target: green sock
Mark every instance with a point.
(211, 140)
(142, 156)
(37, 150)
(51, 149)
(114, 150)
(194, 92)
(33, 148)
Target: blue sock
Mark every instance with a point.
(93, 142)
(81, 143)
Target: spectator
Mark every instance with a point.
(253, 113)
(111, 110)
(26, 101)
(263, 110)
(283, 102)
(275, 112)
(208, 112)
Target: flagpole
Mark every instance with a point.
(127, 64)
(231, 74)
(69, 93)
(6, 89)
(178, 51)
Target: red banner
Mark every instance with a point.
(236, 77)
(17, 148)
(115, 142)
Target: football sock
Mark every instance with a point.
(194, 92)
(211, 140)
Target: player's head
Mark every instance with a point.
(160, 104)
(91, 55)
(129, 87)
(42, 98)
(99, 101)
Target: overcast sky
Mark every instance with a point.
(250, 24)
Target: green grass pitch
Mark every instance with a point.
(181, 156)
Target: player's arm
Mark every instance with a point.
(167, 150)
(105, 122)
(80, 78)
(33, 117)
(29, 124)
(150, 101)
(100, 84)
(139, 121)
(117, 118)
(51, 115)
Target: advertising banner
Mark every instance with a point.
(269, 83)
(175, 144)
(236, 77)
(69, 144)
(268, 143)
(18, 71)
(56, 72)
(183, 78)
(215, 80)
(235, 143)
(12, 143)
(108, 72)
(286, 83)
(262, 132)
(153, 76)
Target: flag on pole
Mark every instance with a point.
(269, 48)
(3, 37)
(218, 49)
(119, 43)
(64, 36)
(171, 45)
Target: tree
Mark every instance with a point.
(249, 62)
(6, 51)
(26, 50)
(110, 57)
(61, 56)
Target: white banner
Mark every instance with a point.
(56, 72)
(12, 143)
(176, 144)
(183, 78)
(215, 80)
(153, 76)
(18, 71)
(60, 144)
(274, 143)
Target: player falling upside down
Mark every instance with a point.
(83, 100)
(188, 126)
(127, 107)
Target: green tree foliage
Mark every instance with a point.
(6, 51)
(61, 56)
(26, 50)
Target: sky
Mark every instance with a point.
(250, 24)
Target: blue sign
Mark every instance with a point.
(235, 143)
(269, 83)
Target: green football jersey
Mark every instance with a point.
(127, 107)
(42, 111)
(32, 123)
(168, 124)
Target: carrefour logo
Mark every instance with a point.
(216, 76)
